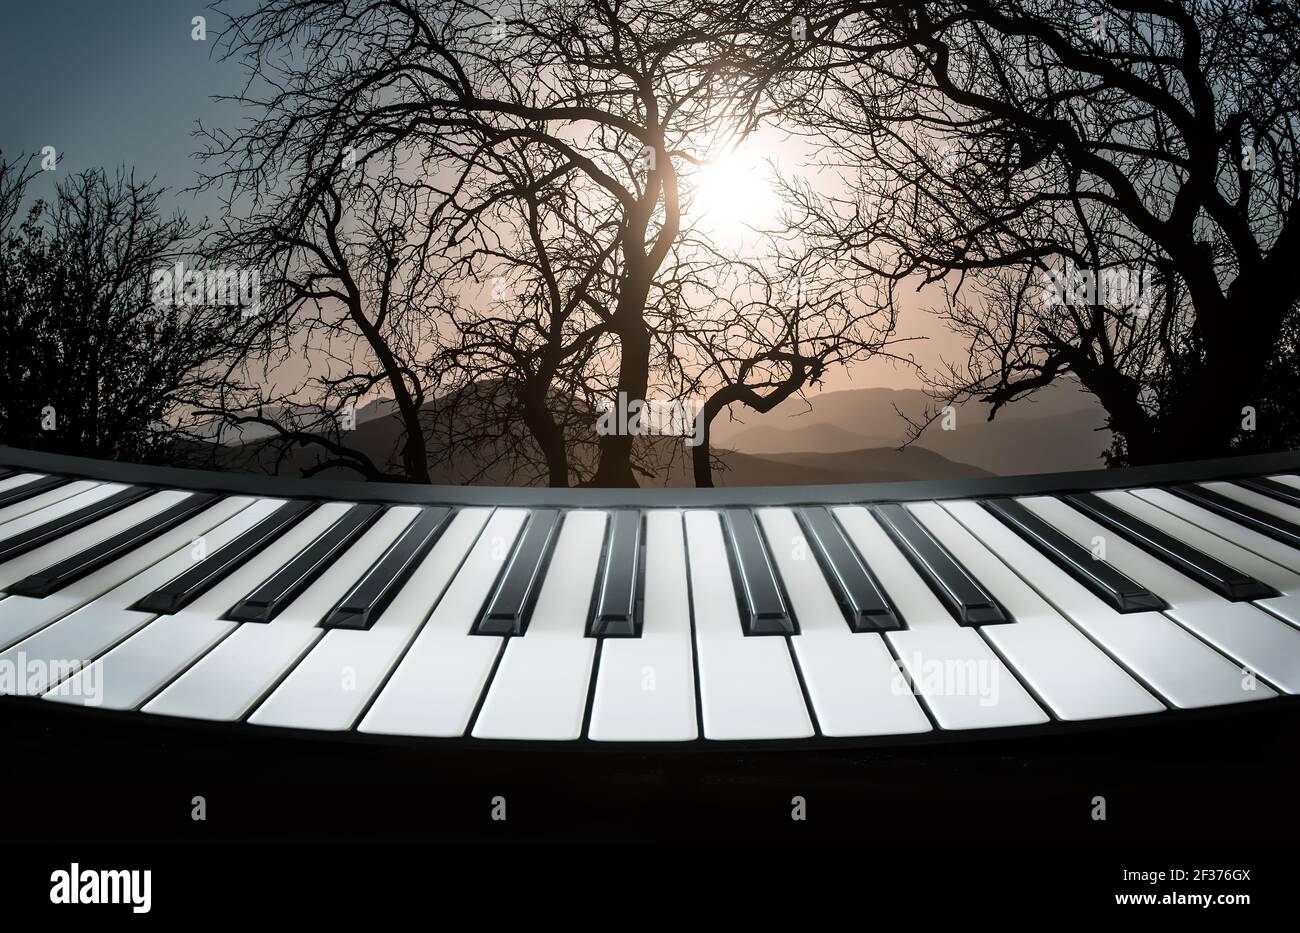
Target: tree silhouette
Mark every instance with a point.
(536, 271)
(340, 273)
(93, 363)
(552, 151)
(1143, 152)
(776, 326)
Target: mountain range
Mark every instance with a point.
(1058, 429)
(849, 436)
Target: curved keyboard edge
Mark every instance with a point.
(537, 497)
(763, 617)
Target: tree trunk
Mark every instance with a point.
(615, 466)
(700, 464)
(1209, 410)
(415, 456)
(549, 438)
(739, 392)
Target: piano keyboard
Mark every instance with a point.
(946, 612)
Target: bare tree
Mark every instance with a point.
(773, 328)
(1108, 190)
(536, 270)
(545, 261)
(559, 142)
(350, 308)
(97, 360)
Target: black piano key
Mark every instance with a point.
(5, 474)
(762, 609)
(1256, 519)
(1224, 580)
(41, 535)
(968, 602)
(509, 607)
(69, 571)
(179, 592)
(863, 600)
(371, 595)
(34, 488)
(1289, 495)
(288, 583)
(617, 599)
(1100, 578)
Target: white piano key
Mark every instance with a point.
(50, 497)
(961, 679)
(105, 623)
(436, 685)
(333, 683)
(645, 687)
(69, 498)
(748, 685)
(1286, 582)
(94, 628)
(540, 687)
(229, 679)
(19, 479)
(1226, 528)
(1066, 670)
(20, 616)
(435, 688)
(315, 602)
(142, 665)
(1252, 637)
(1178, 666)
(139, 666)
(851, 676)
(12, 571)
(93, 534)
(1257, 499)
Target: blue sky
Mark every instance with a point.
(121, 83)
(112, 82)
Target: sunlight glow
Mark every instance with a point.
(733, 194)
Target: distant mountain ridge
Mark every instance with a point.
(377, 438)
(876, 465)
(1059, 429)
(849, 436)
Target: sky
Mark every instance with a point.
(123, 83)
(111, 83)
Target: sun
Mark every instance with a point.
(733, 194)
